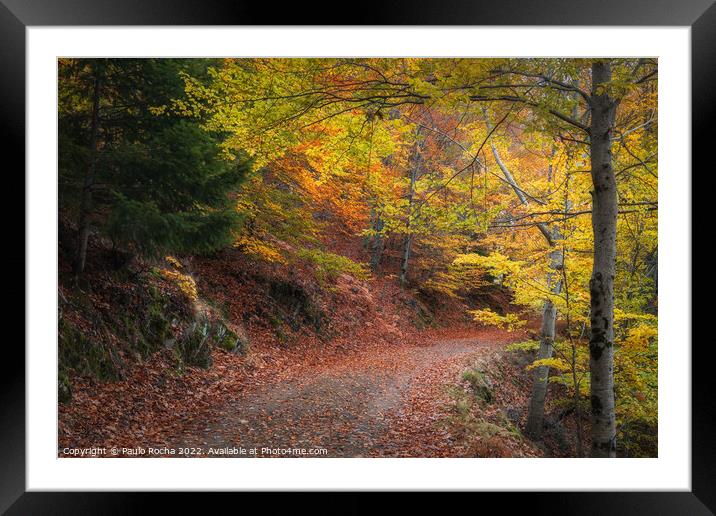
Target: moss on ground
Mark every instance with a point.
(142, 319)
(481, 387)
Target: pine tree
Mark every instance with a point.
(150, 179)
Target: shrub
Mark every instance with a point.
(509, 321)
(186, 283)
(330, 266)
(529, 345)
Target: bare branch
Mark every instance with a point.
(528, 102)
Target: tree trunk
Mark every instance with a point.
(407, 245)
(535, 417)
(377, 242)
(83, 224)
(406, 259)
(601, 284)
(506, 171)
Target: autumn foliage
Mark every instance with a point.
(249, 223)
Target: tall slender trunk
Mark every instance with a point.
(577, 400)
(408, 243)
(540, 383)
(406, 259)
(377, 242)
(83, 224)
(601, 284)
(535, 416)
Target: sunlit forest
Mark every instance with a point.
(358, 257)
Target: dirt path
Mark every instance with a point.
(362, 406)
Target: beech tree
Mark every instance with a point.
(601, 285)
(601, 103)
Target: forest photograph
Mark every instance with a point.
(357, 257)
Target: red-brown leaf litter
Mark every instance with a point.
(372, 380)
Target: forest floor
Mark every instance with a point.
(381, 385)
(371, 403)
(375, 401)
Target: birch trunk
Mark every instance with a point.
(601, 285)
(83, 224)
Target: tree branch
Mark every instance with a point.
(528, 102)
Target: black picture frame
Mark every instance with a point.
(17, 15)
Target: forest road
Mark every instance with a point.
(352, 409)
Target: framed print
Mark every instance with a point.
(429, 251)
